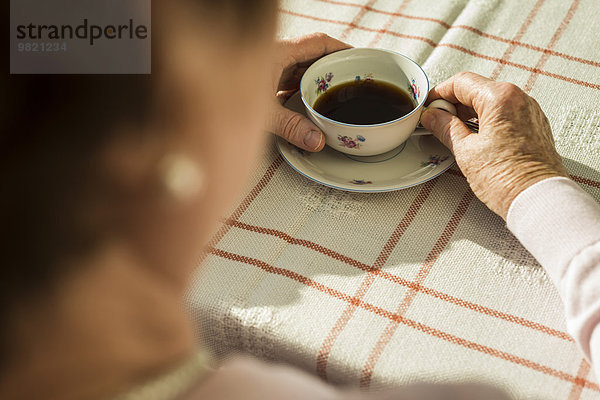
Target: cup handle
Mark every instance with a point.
(439, 104)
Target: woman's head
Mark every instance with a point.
(83, 158)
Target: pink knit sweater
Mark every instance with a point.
(559, 224)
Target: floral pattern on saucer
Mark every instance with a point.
(351, 143)
(434, 161)
(339, 171)
(323, 82)
(299, 151)
(360, 182)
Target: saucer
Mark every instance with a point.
(418, 160)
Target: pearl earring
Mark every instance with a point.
(182, 177)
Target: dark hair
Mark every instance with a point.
(53, 127)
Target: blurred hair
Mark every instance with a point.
(53, 127)
(246, 16)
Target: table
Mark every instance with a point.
(424, 284)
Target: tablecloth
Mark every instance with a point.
(424, 284)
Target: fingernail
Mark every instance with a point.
(313, 139)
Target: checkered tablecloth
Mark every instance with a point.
(424, 284)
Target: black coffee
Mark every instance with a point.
(364, 102)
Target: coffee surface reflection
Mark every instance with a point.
(364, 102)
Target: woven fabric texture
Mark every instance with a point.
(424, 284)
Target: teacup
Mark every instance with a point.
(367, 64)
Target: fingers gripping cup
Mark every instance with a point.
(366, 101)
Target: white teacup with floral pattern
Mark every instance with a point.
(367, 64)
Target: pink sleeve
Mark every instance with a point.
(559, 223)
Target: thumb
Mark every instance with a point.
(449, 129)
(295, 128)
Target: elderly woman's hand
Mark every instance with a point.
(514, 147)
(293, 58)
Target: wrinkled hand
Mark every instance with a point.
(294, 58)
(514, 147)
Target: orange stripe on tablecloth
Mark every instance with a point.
(430, 260)
(529, 46)
(487, 311)
(388, 23)
(521, 66)
(301, 242)
(557, 34)
(452, 46)
(474, 30)
(357, 18)
(363, 28)
(582, 373)
(365, 285)
(391, 13)
(401, 281)
(245, 203)
(517, 37)
(403, 320)
(585, 181)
